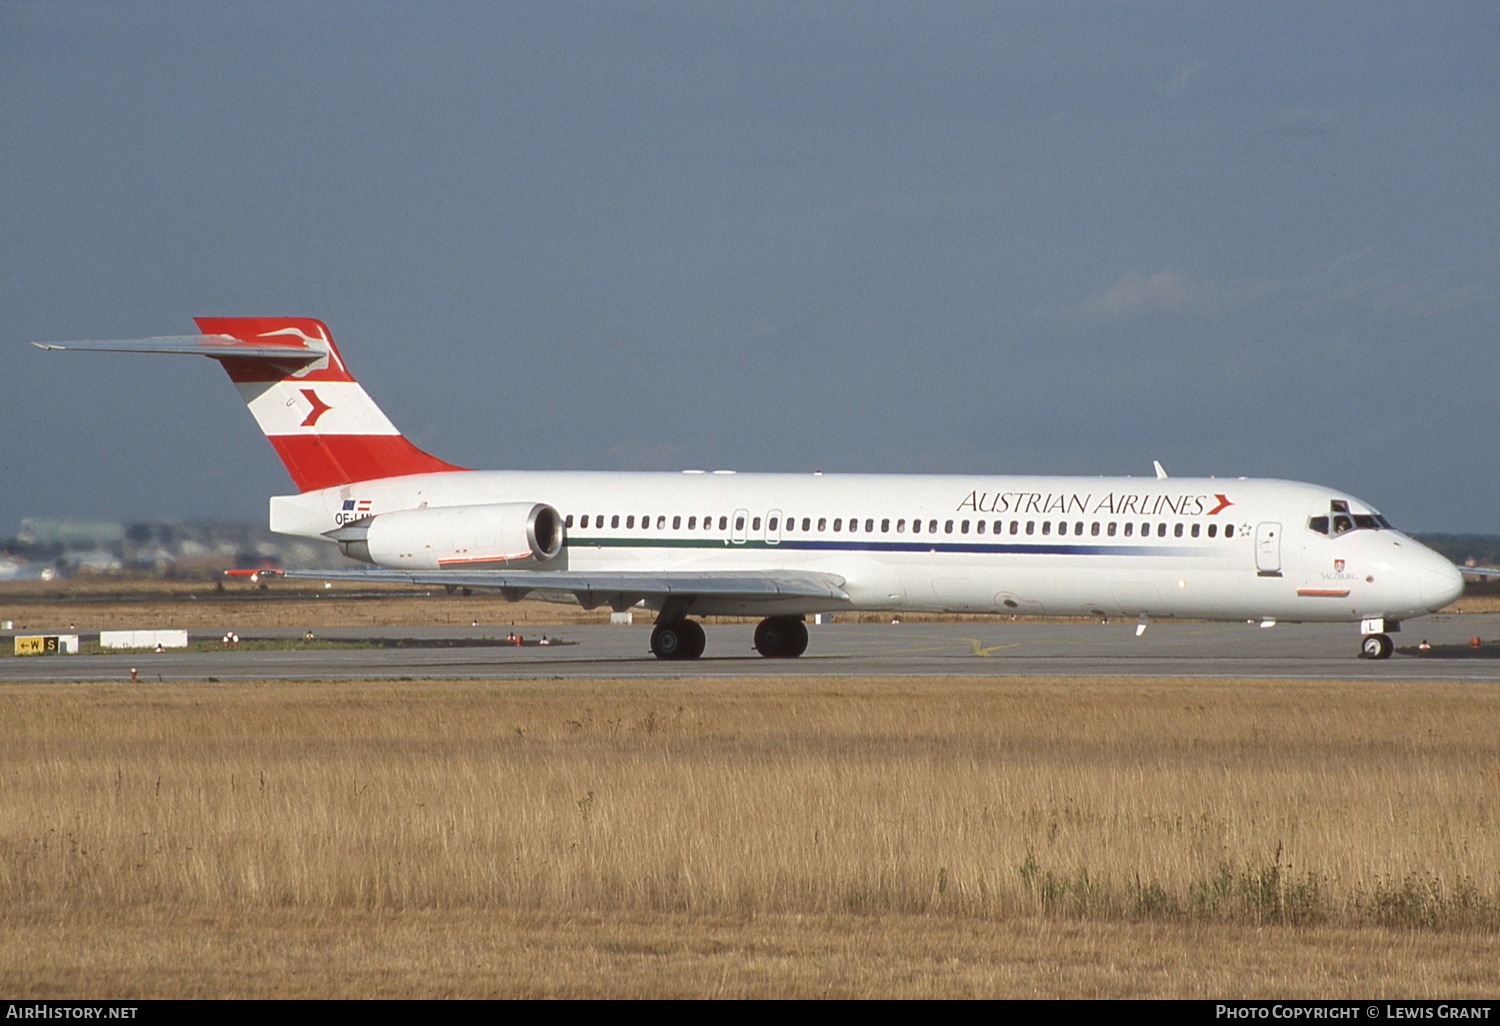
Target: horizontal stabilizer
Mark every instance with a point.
(218, 347)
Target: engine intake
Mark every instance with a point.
(498, 535)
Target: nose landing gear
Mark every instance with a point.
(1376, 646)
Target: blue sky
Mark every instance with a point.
(1253, 239)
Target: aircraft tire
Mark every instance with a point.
(680, 639)
(667, 640)
(1376, 646)
(781, 637)
(693, 639)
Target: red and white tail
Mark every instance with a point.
(323, 425)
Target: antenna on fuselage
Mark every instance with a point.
(1161, 471)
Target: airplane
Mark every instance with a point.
(785, 546)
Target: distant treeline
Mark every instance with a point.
(1483, 549)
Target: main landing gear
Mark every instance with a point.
(678, 639)
(776, 637)
(781, 637)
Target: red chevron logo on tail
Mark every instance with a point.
(319, 407)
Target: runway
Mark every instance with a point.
(1031, 649)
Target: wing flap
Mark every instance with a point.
(617, 588)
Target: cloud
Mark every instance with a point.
(1168, 291)
(1184, 79)
(1347, 281)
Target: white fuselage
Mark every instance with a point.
(1208, 548)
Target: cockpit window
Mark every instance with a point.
(1341, 520)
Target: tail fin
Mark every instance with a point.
(323, 425)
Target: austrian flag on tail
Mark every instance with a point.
(321, 422)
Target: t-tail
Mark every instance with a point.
(321, 422)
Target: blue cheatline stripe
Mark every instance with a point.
(990, 548)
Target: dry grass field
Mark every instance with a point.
(769, 837)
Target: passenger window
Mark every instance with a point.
(1177, 531)
(853, 525)
(885, 527)
(1161, 530)
(948, 527)
(1229, 530)
(614, 521)
(739, 523)
(585, 521)
(771, 524)
(755, 524)
(1145, 530)
(1078, 528)
(568, 522)
(869, 525)
(838, 523)
(692, 523)
(807, 523)
(661, 523)
(723, 523)
(1015, 527)
(963, 528)
(1196, 528)
(979, 526)
(1128, 528)
(1031, 527)
(1213, 530)
(901, 526)
(1094, 529)
(1110, 529)
(822, 523)
(1046, 527)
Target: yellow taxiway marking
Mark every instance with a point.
(981, 650)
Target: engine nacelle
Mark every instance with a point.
(499, 535)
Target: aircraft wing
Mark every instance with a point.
(618, 589)
(215, 346)
(1479, 571)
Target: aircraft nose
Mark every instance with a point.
(1440, 582)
